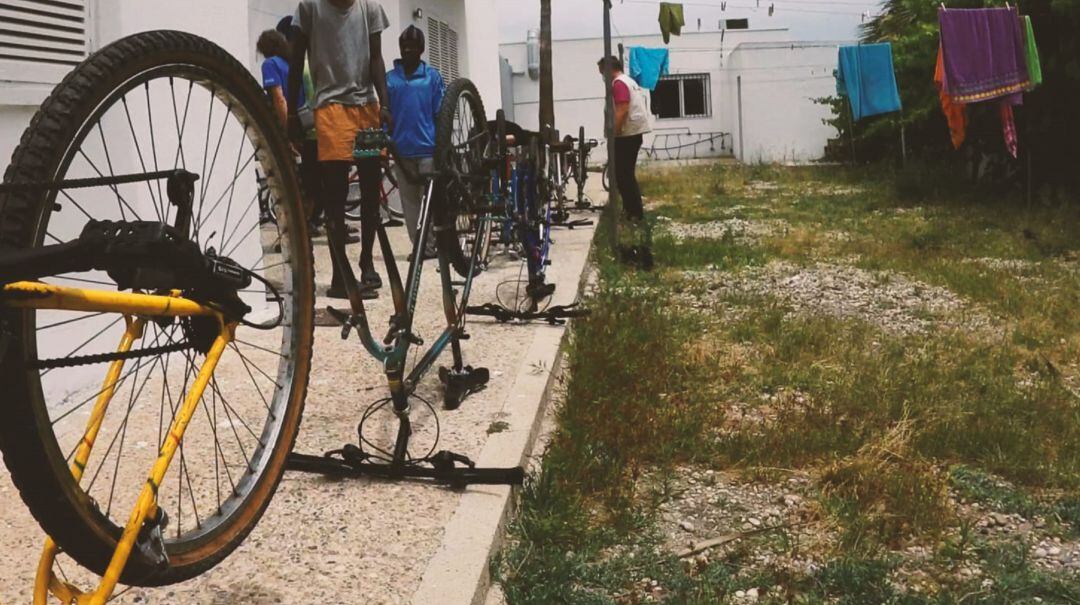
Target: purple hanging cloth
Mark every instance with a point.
(984, 54)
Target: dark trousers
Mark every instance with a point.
(626, 153)
(335, 185)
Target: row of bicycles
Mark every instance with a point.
(156, 335)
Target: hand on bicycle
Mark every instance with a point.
(295, 130)
(386, 118)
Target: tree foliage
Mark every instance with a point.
(1048, 123)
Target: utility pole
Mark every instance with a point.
(614, 201)
(547, 89)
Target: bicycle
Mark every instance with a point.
(129, 215)
(456, 209)
(579, 168)
(526, 221)
(247, 310)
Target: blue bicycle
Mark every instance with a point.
(525, 224)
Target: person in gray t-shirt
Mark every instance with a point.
(343, 41)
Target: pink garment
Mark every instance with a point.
(1008, 125)
(621, 92)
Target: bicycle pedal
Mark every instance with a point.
(347, 320)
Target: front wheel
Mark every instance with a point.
(462, 141)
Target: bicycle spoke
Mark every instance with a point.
(206, 153)
(227, 409)
(254, 382)
(231, 189)
(121, 202)
(83, 345)
(255, 226)
(131, 404)
(213, 164)
(264, 349)
(236, 177)
(69, 321)
(138, 152)
(153, 147)
(180, 126)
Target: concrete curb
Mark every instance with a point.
(459, 572)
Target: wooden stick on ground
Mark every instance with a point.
(697, 547)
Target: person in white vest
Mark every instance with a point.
(632, 120)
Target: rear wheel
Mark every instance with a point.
(462, 140)
(157, 101)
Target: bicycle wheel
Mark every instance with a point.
(352, 199)
(462, 142)
(156, 101)
(604, 179)
(391, 194)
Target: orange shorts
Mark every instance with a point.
(336, 127)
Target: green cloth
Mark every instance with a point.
(671, 19)
(309, 92)
(1031, 53)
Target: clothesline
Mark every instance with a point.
(753, 7)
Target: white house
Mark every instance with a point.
(743, 93)
(41, 40)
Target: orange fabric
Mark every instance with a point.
(955, 113)
(336, 127)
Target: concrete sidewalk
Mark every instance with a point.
(364, 541)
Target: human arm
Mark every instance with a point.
(281, 106)
(296, 80)
(621, 94)
(437, 93)
(378, 78)
(622, 113)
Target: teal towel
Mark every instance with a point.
(647, 65)
(867, 79)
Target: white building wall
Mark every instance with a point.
(780, 121)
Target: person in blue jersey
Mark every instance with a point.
(275, 76)
(416, 91)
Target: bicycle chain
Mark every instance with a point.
(69, 362)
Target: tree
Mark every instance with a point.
(1048, 123)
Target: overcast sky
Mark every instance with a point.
(807, 19)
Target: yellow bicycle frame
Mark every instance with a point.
(136, 309)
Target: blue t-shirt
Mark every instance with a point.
(275, 72)
(414, 103)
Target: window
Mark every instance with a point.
(682, 96)
(51, 32)
(442, 48)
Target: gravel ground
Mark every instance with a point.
(891, 301)
(325, 541)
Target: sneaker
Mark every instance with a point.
(369, 278)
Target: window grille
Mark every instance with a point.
(442, 49)
(682, 96)
(51, 32)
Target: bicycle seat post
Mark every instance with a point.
(181, 190)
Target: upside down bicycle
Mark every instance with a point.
(155, 335)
